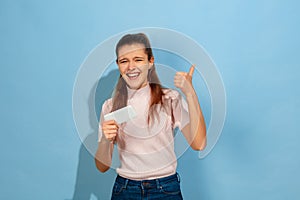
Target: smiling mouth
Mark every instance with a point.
(133, 76)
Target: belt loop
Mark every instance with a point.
(126, 182)
(178, 177)
(157, 184)
(142, 186)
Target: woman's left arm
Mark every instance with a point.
(195, 130)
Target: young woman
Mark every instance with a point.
(146, 143)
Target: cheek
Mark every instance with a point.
(122, 70)
(144, 68)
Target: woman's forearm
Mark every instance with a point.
(196, 135)
(103, 156)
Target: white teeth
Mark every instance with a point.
(133, 74)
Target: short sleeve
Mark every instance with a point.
(179, 109)
(106, 108)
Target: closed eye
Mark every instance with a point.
(139, 59)
(123, 61)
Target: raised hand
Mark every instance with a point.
(183, 81)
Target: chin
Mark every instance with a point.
(134, 87)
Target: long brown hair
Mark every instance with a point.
(120, 95)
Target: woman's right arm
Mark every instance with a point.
(105, 149)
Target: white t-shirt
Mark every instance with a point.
(147, 151)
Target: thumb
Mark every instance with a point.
(191, 72)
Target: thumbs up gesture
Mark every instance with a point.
(183, 81)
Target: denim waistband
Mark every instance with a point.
(147, 183)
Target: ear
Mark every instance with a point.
(151, 62)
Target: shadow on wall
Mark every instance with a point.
(89, 181)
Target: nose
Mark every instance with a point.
(131, 65)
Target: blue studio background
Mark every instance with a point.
(255, 45)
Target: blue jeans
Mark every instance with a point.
(167, 188)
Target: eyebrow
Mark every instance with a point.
(139, 57)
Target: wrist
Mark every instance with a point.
(104, 140)
(190, 93)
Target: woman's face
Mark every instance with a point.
(134, 65)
